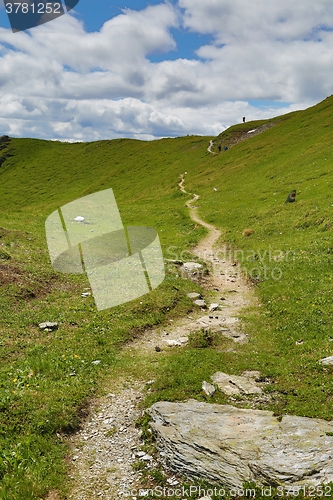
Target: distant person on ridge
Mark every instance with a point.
(291, 197)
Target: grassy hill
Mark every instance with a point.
(285, 249)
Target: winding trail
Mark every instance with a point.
(108, 443)
(213, 233)
(209, 149)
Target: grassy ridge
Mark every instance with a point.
(46, 379)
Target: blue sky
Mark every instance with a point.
(163, 68)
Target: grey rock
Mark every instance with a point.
(327, 361)
(194, 295)
(200, 303)
(214, 307)
(172, 481)
(177, 342)
(192, 266)
(228, 446)
(235, 384)
(208, 389)
(48, 325)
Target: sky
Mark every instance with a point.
(151, 69)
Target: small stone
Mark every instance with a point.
(79, 218)
(173, 342)
(208, 389)
(327, 361)
(96, 362)
(200, 303)
(157, 348)
(192, 266)
(85, 294)
(48, 325)
(140, 454)
(172, 481)
(194, 295)
(214, 306)
(147, 457)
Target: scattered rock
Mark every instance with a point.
(172, 481)
(230, 446)
(177, 342)
(79, 218)
(235, 384)
(208, 389)
(111, 443)
(48, 326)
(192, 266)
(200, 303)
(96, 362)
(194, 295)
(214, 307)
(85, 294)
(327, 361)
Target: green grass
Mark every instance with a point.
(47, 378)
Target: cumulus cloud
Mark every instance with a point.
(59, 81)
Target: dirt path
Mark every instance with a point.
(209, 149)
(108, 444)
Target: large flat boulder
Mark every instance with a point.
(228, 445)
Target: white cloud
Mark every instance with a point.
(58, 81)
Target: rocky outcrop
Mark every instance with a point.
(228, 445)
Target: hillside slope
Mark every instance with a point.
(285, 249)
